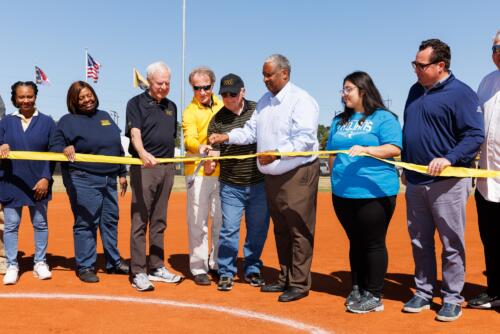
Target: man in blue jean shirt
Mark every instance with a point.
(241, 189)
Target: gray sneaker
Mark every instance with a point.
(449, 312)
(142, 283)
(367, 303)
(354, 296)
(416, 305)
(163, 275)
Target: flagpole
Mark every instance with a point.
(183, 70)
(85, 68)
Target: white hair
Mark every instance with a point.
(155, 67)
(497, 37)
(280, 61)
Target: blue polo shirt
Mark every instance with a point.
(364, 177)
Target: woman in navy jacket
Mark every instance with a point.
(25, 182)
(91, 187)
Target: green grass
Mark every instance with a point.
(180, 184)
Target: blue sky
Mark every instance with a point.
(324, 40)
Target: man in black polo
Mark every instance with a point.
(3, 261)
(241, 189)
(151, 126)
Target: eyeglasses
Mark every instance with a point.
(207, 87)
(422, 67)
(346, 90)
(496, 48)
(225, 95)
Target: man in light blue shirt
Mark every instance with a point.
(286, 120)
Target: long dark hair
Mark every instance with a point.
(372, 100)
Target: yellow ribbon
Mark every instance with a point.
(80, 157)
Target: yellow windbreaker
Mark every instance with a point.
(195, 120)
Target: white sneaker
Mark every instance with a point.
(41, 270)
(11, 275)
(163, 275)
(142, 283)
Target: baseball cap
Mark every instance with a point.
(231, 83)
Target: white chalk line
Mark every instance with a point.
(165, 302)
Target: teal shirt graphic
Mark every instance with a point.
(364, 177)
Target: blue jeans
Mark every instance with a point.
(12, 217)
(94, 202)
(235, 199)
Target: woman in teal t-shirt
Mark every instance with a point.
(364, 189)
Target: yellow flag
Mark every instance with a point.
(139, 80)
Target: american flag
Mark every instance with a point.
(41, 77)
(92, 68)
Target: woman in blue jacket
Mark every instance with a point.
(25, 182)
(91, 187)
(364, 189)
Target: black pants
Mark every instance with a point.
(365, 222)
(489, 229)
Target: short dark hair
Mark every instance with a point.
(440, 51)
(74, 93)
(13, 88)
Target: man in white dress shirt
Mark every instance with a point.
(488, 190)
(286, 120)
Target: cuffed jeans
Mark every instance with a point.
(94, 202)
(234, 200)
(438, 206)
(203, 201)
(38, 213)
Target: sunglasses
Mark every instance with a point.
(229, 94)
(421, 66)
(207, 87)
(496, 48)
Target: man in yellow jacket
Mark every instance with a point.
(202, 191)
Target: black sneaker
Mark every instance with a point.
(449, 312)
(354, 296)
(225, 283)
(484, 301)
(87, 275)
(367, 303)
(121, 268)
(255, 280)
